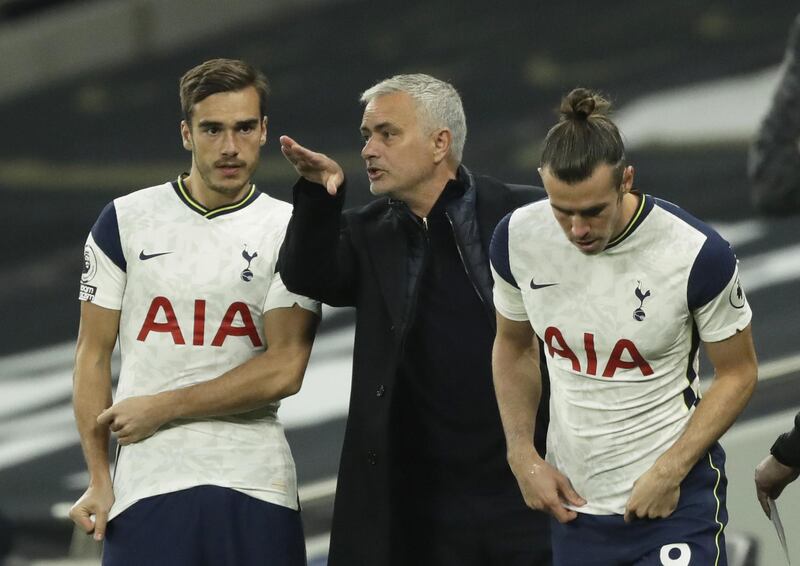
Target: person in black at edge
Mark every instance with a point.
(774, 159)
(780, 468)
(774, 170)
(423, 477)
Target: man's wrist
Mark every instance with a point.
(671, 469)
(522, 453)
(307, 190)
(168, 405)
(100, 479)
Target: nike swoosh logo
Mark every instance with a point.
(143, 256)
(542, 286)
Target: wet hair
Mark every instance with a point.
(220, 75)
(583, 138)
(438, 103)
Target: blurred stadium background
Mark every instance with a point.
(88, 96)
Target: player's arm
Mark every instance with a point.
(656, 493)
(91, 396)
(518, 386)
(273, 375)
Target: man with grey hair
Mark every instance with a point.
(423, 477)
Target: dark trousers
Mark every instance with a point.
(469, 530)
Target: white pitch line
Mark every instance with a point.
(770, 268)
(779, 368)
(26, 393)
(741, 232)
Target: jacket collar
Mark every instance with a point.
(474, 216)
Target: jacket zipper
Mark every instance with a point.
(415, 295)
(463, 262)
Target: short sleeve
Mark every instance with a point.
(498, 251)
(506, 293)
(103, 276)
(508, 299)
(278, 296)
(726, 313)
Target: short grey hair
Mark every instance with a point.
(438, 102)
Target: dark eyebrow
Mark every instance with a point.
(591, 211)
(252, 123)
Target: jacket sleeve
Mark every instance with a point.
(774, 158)
(525, 194)
(787, 448)
(317, 257)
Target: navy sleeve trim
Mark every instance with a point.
(714, 265)
(106, 235)
(712, 271)
(498, 251)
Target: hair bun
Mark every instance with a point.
(581, 104)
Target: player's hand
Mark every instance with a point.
(316, 167)
(655, 495)
(90, 512)
(771, 478)
(544, 487)
(134, 419)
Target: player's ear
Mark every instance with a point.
(627, 178)
(186, 135)
(263, 139)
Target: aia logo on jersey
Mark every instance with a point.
(625, 355)
(247, 275)
(638, 313)
(161, 318)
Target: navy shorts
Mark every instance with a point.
(692, 536)
(205, 526)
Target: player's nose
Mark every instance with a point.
(579, 227)
(229, 147)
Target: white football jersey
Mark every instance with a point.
(621, 331)
(192, 286)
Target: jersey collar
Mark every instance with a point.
(644, 208)
(183, 193)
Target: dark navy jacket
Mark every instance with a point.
(372, 258)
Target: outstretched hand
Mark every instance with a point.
(315, 167)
